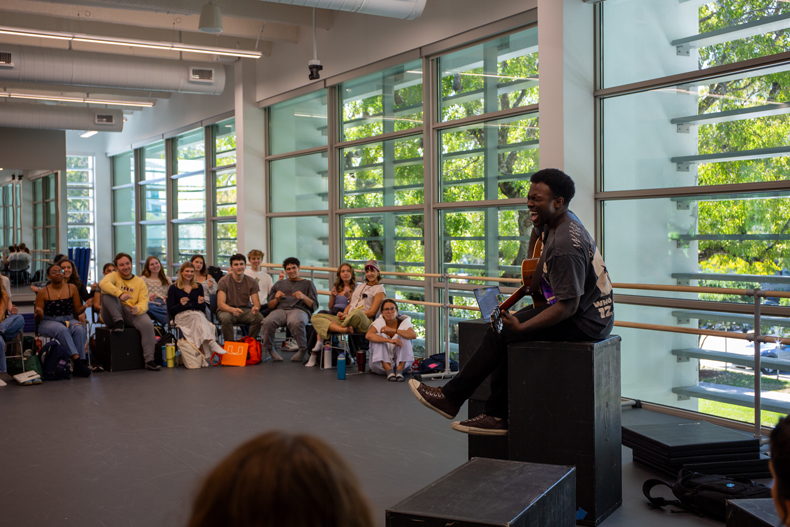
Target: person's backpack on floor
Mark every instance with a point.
(253, 350)
(54, 359)
(706, 494)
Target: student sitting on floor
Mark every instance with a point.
(361, 310)
(57, 307)
(158, 283)
(390, 338)
(281, 480)
(780, 468)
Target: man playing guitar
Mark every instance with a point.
(570, 275)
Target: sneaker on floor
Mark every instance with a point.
(399, 376)
(313, 362)
(290, 345)
(81, 368)
(433, 398)
(391, 376)
(482, 425)
(97, 368)
(275, 356)
(153, 366)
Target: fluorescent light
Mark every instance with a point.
(151, 44)
(89, 134)
(84, 100)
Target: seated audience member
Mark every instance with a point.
(7, 257)
(5, 283)
(96, 290)
(125, 302)
(358, 314)
(71, 276)
(186, 304)
(158, 283)
(57, 307)
(261, 277)
(291, 301)
(202, 277)
(340, 295)
(235, 292)
(390, 337)
(281, 480)
(11, 325)
(780, 468)
(23, 253)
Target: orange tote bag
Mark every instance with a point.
(236, 354)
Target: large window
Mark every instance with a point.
(189, 196)
(153, 203)
(80, 177)
(45, 217)
(223, 178)
(10, 205)
(123, 204)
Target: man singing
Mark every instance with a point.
(571, 276)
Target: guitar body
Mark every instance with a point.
(528, 268)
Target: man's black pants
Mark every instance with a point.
(490, 358)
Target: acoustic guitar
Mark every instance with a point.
(528, 268)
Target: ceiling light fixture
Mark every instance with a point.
(210, 19)
(168, 46)
(89, 134)
(85, 100)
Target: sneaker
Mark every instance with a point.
(290, 345)
(97, 368)
(391, 376)
(433, 398)
(119, 326)
(153, 366)
(81, 368)
(482, 425)
(399, 376)
(312, 362)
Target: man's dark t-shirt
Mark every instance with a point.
(573, 267)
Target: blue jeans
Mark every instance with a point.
(73, 337)
(9, 329)
(158, 312)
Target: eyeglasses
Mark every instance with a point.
(389, 309)
(58, 272)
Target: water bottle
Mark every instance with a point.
(170, 355)
(341, 366)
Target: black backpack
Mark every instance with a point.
(435, 364)
(706, 494)
(54, 358)
(215, 272)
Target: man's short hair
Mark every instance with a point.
(119, 256)
(255, 253)
(559, 182)
(780, 460)
(291, 260)
(236, 257)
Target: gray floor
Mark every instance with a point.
(129, 448)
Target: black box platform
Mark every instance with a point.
(491, 492)
(119, 351)
(752, 513)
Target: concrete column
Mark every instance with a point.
(251, 194)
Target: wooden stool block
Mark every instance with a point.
(752, 513)
(119, 351)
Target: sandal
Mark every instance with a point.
(391, 376)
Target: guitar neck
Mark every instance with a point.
(515, 297)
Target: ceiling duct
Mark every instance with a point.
(48, 117)
(100, 70)
(404, 9)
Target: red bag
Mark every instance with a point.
(253, 350)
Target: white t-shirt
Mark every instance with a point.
(363, 295)
(404, 322)
(264, 281)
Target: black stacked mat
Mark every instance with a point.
(696, 445)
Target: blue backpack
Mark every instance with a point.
(54, 359)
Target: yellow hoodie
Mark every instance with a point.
(113, 284)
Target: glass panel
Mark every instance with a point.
(225, 188)
(79, 169)
(190, 196)
(383, 174)
(225, 234)
(123, 204)
(645, 39)
(123, 240)
(305, 237)
(190, 240)
(298, 124)
(396, 240)
(38, 193)
(190, 152)
(51, 217)
(386, 101)
(154, 201)
(154, 241)
(81, 236)
(496, 75)
(722, 131)
(50, 191)
(485, 241)
(154, 161)
(38, 215)
(38, 237)
(123, 169)
(299, 183)
(489, 161)
(225, 143)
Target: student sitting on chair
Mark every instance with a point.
(235, 292)
(202, 277)
(187, 305)
(291, 301)
(125, 302)
(57, 307)
(158, 283)
(261, 277)
(361, 310)
(390, 338)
